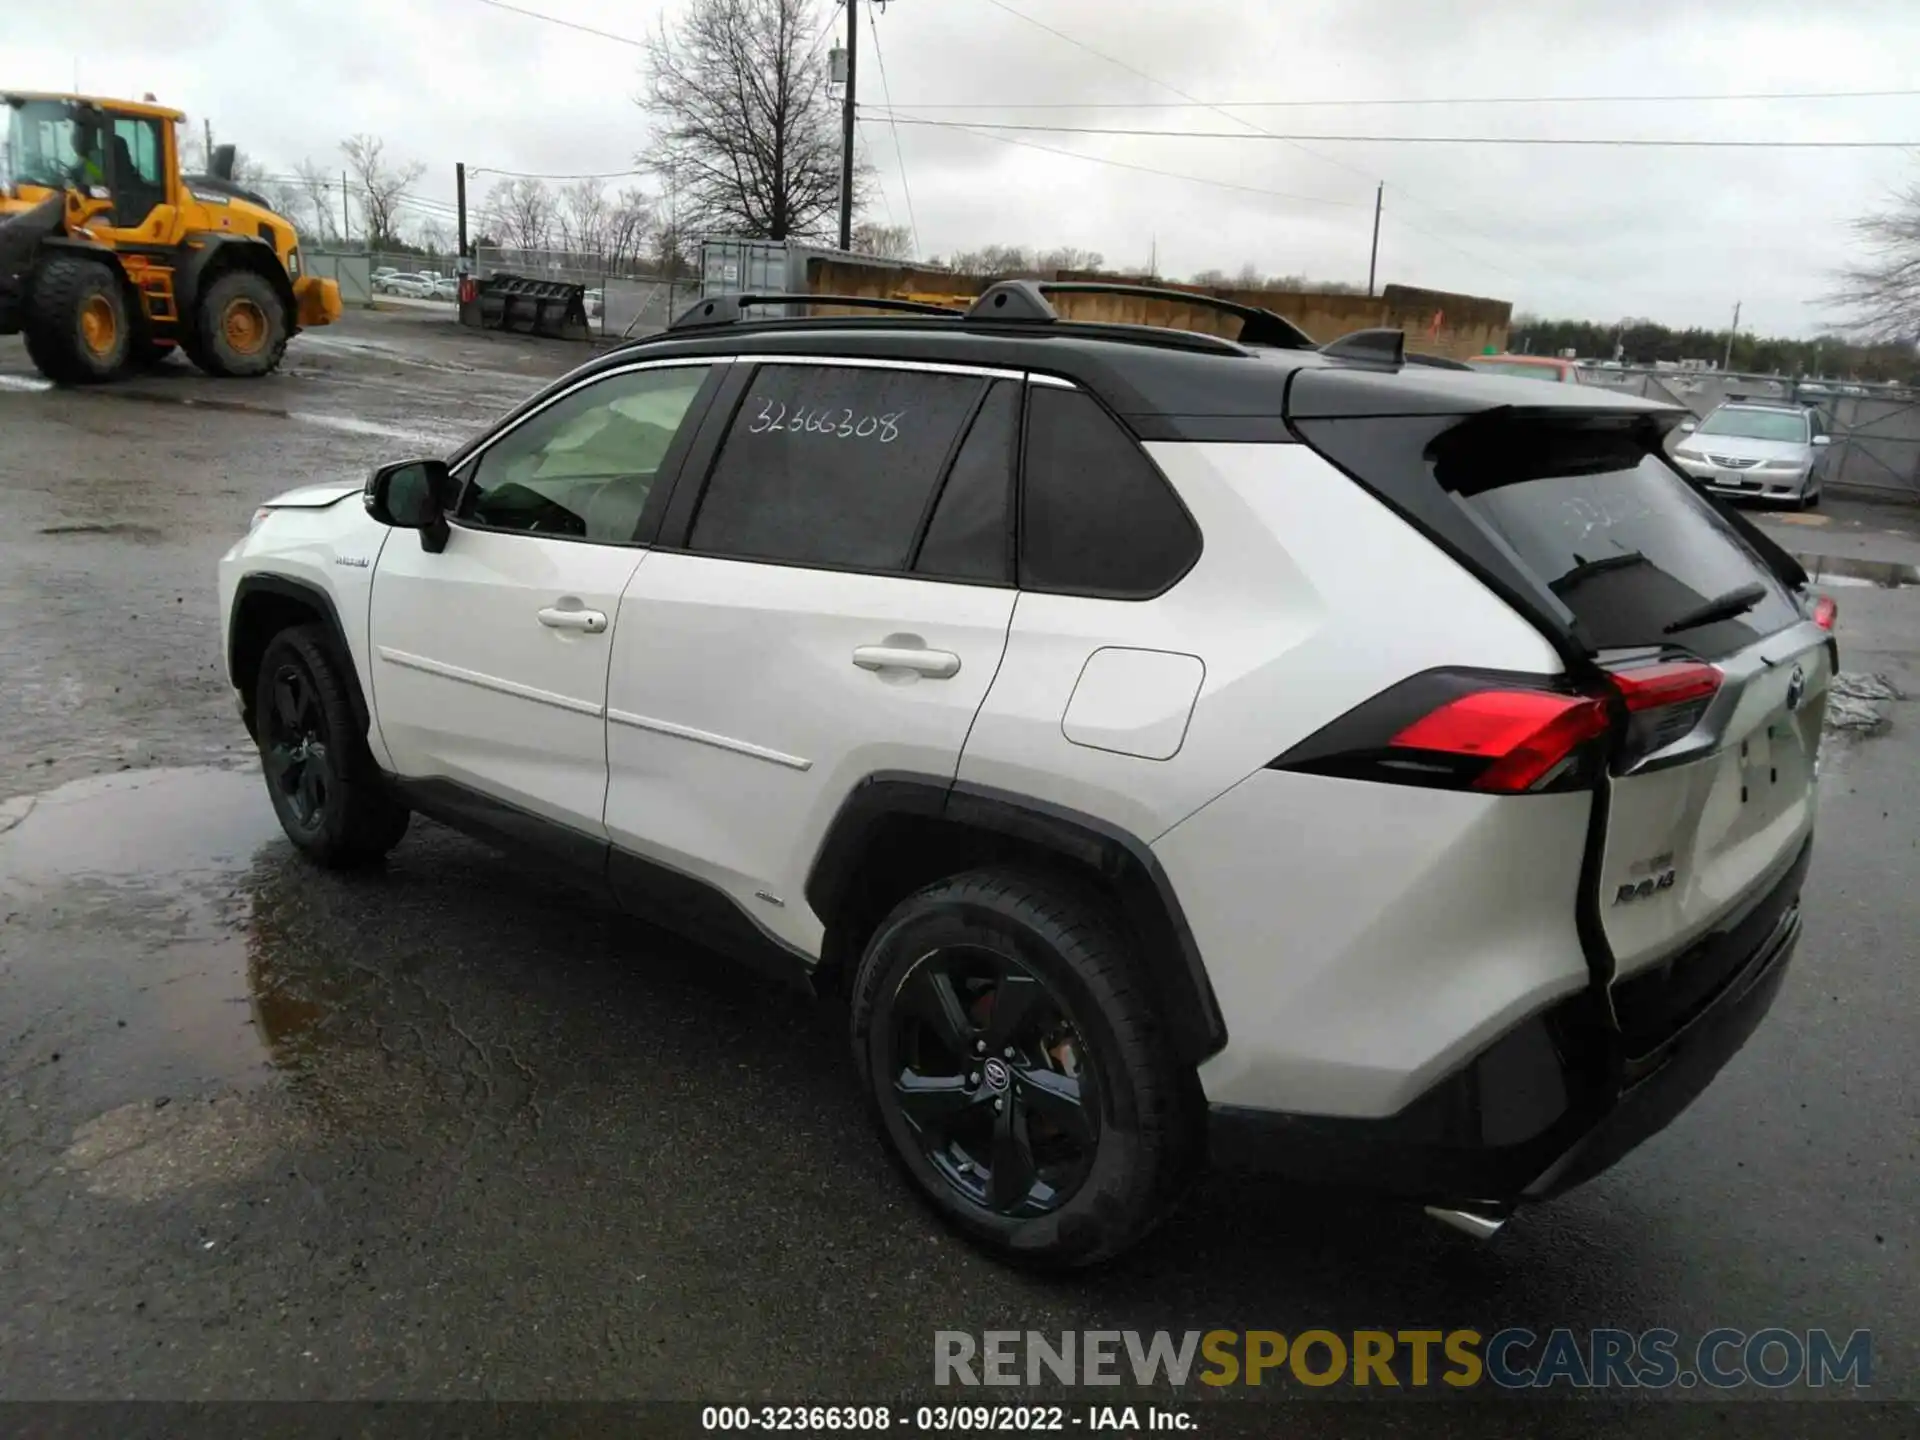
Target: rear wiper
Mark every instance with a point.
(1587, 568)
(1736, 601)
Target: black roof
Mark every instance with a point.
(1165, 384)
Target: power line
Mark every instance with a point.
(1594, 142)
(886, 91)
(533, 175)
(866, 143)
(1164, 174)
(568, 24)
(1414, 101)
(1236, 119)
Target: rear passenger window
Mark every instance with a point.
(832, 466)
(1096, 517)
(968, 537)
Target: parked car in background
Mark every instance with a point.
(1774, 452)
(414, 287)
(596, 303)
(446, 287)
(1528, 367)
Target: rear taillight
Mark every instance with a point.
(1504, 734)
(1825, 612)
(1522, 736)
(1650, 687)
(1491, 731)
(1664, 702)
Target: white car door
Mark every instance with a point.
(836, 607)
(490, 655)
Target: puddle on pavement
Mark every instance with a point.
(1847, 570)
(135, 946)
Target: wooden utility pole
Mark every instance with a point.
(1726, 360)
(1373, 260)
(208, 122)
(460, 200)
(346, 219)
(846, 128)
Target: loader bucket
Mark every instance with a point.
(552, 308)
(20, 237)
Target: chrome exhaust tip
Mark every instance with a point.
(1480, 1224)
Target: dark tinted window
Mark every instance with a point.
(1630, 551)
(968, 537)
(584, 467)
(832, 466)
(1096, 517)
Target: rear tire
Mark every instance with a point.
(1003, 986)
(328, 792)
(77, 328)
(239, 328)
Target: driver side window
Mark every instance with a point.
(584, 467)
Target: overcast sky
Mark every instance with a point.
(1675, 234)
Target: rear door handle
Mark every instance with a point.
(592, 622)
(934, 664)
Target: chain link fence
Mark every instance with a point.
(1876, 432)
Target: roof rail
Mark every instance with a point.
(730, 309)
(1384, 347)
(1026, 300)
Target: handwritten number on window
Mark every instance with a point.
(772, 416)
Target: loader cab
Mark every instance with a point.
(118, 160)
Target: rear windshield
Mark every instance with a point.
(1633, 552)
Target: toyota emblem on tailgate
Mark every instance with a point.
(1796, 688)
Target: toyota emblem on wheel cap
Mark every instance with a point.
(998, 1076)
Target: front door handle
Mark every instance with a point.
(934, 664)
(592, 622)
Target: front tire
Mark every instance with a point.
(78, 331)
(1017, 1070)
(325, 786)
(240, 328)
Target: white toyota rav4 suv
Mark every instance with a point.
(1177, 748)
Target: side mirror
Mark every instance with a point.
(1823, 439)
(410, 495)
(1687, 427)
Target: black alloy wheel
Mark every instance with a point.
(993, 1079)
(297, 753)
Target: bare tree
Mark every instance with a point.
(630, 226)
(319, 213)
(888, 242)
(581, 217)
(748, 134)
(519, 211)
(1068, 257)
(671, 237)
(1883, 292)
(381, 186)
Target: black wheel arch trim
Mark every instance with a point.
(322, 604)
(1175, 968)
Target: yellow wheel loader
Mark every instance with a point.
(111, 258)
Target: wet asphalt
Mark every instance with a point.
(447, 1131)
